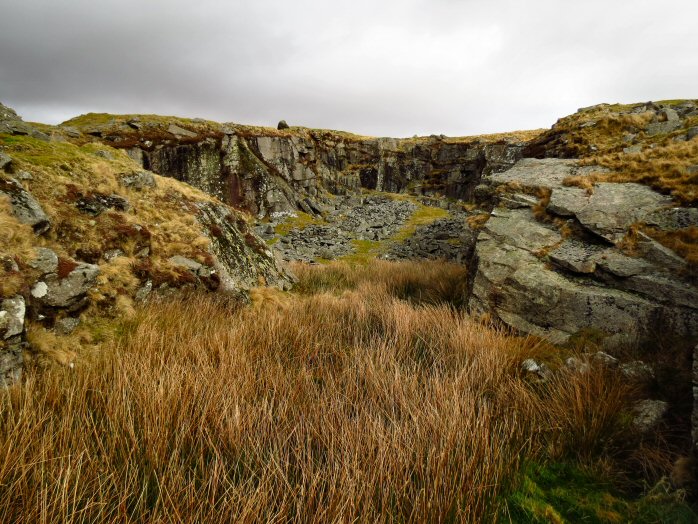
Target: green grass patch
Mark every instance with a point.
(423, 216)
(300, 221)
(564, 493)
(364, 251)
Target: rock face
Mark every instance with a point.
(12, 124)
(241, 259)
(271, 175)
(562, 273)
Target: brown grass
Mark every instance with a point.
(339, 406)
(664, 168)
(684, 242)
(476, 222)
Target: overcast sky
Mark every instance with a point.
(379, 67)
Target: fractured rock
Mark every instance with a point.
(138, 180)
(66, 292)
(611, 209)
(5, 160)
(12, 311)
(65, 326)
(648, 414)
(24, 206)
(45, 261)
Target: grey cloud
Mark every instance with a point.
(384, 68)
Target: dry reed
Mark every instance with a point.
(338, 406)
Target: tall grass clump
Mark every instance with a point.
(348, 402)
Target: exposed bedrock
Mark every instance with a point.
(273, 175)
(561, 261)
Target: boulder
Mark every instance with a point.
(96, 204)
(180, 132)
(187, 263)
(282, 125)
(242, 260)
(24, 206)
(648, 414)
(662, 128)
(138, 180)
(526, 275)
(5, 160)
(11, 363)
(65, 326)
(637, 370)
(66, 292)
(12, 311)
(12, 124)
(45, 260)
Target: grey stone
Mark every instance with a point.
(138, 180)
(180, 131)
(5, 160)
(633, 149)
(611, 209)
(518, 288)
(670, 114)
(12, 311)
(188, 263)
(112, 254)
(537, 173)
(24, 176)
(96, 204)
(24, 206)
(673, 218)
(530, 366)
(65, 326)
(518, 228)
(45, 261)
(104, 154)
(605, 359)
(620, 265)
(648, 414)
(9, 264)
(518, 200)
(72, 132)
(144, 291)
(241, 259)
(637, 370)
(661, 128)
(66, 292)
(11, 363)
(575, 256)
(577, 365)
(282, 125)
(658, 254)
(692, 132)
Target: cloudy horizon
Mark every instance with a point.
(381, 68)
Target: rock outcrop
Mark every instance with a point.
(275, 172)
(559, 265)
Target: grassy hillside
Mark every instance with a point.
(131, 243)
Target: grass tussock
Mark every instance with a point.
(669, 169)
(343, 403)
